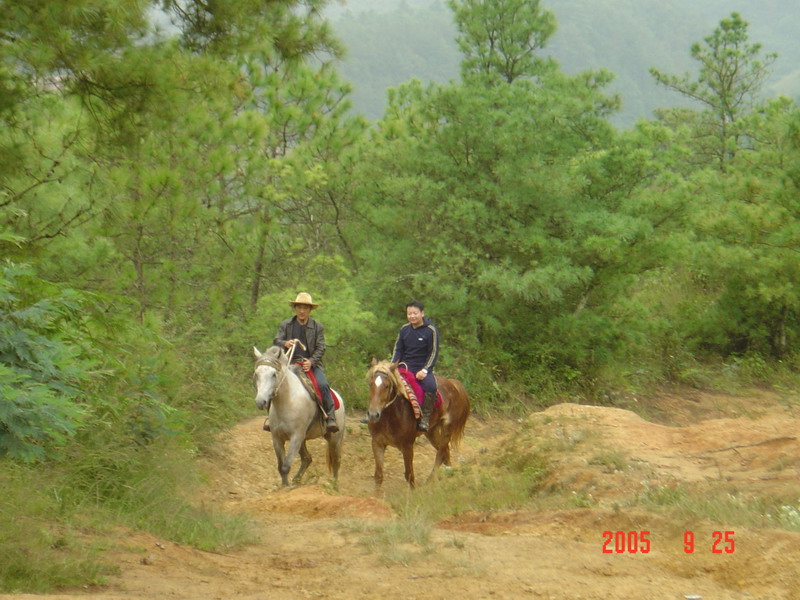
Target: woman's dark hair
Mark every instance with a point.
(416, 304)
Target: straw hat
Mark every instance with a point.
(303, 298)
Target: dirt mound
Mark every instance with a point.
(757, 454)
(598, 541)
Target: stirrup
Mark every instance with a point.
(266, 425)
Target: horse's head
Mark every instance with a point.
(384, 386)
(267, 374)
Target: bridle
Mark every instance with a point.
(391, 381)
(278, 367)
(266, 362)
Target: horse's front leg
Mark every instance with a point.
(305, 461)
(280, 455)
(378, 450)
(294, 446)
(408, 462)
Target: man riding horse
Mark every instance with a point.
(307, 337)
(417, 346)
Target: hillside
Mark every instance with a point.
(391, 41)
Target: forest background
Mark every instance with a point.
(167, 189)
(391, 41)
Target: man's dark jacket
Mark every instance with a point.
(419, 347)
(315, 338)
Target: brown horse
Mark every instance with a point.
(392, 422)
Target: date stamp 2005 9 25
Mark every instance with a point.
(639, 542)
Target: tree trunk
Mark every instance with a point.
(258, 265)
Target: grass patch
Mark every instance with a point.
(723, 507)
(401, 540)
(42, 548)
(159, 501)
(152, 488)
(611, 460)
(506, 481)
(465, 489)
(38, 558)
(56, 519)
(787, 515)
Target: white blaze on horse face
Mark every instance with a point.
(265, 381)
(375, 405)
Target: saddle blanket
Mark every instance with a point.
(411, 380)
(337, 400)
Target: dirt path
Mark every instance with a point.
(315, 540)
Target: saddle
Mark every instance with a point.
(309, 381)
(405, 389)
(415, 389)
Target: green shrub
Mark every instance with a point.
(41, 373)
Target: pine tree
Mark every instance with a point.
(728, 85)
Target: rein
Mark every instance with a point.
(278, 366)
(394, 387)
(268, 362)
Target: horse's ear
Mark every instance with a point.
(374, 362)
(256, 352)
(394, 366)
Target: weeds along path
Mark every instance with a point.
(580, 479)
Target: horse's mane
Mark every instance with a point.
(270, 356)
(273, 351)
(390, 369)
(274, 355)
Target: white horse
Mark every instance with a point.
(294, 416)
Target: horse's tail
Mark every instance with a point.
(330, 458)
(334, 455)
(459, 412)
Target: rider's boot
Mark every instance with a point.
(327, 404)
(427, 410)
